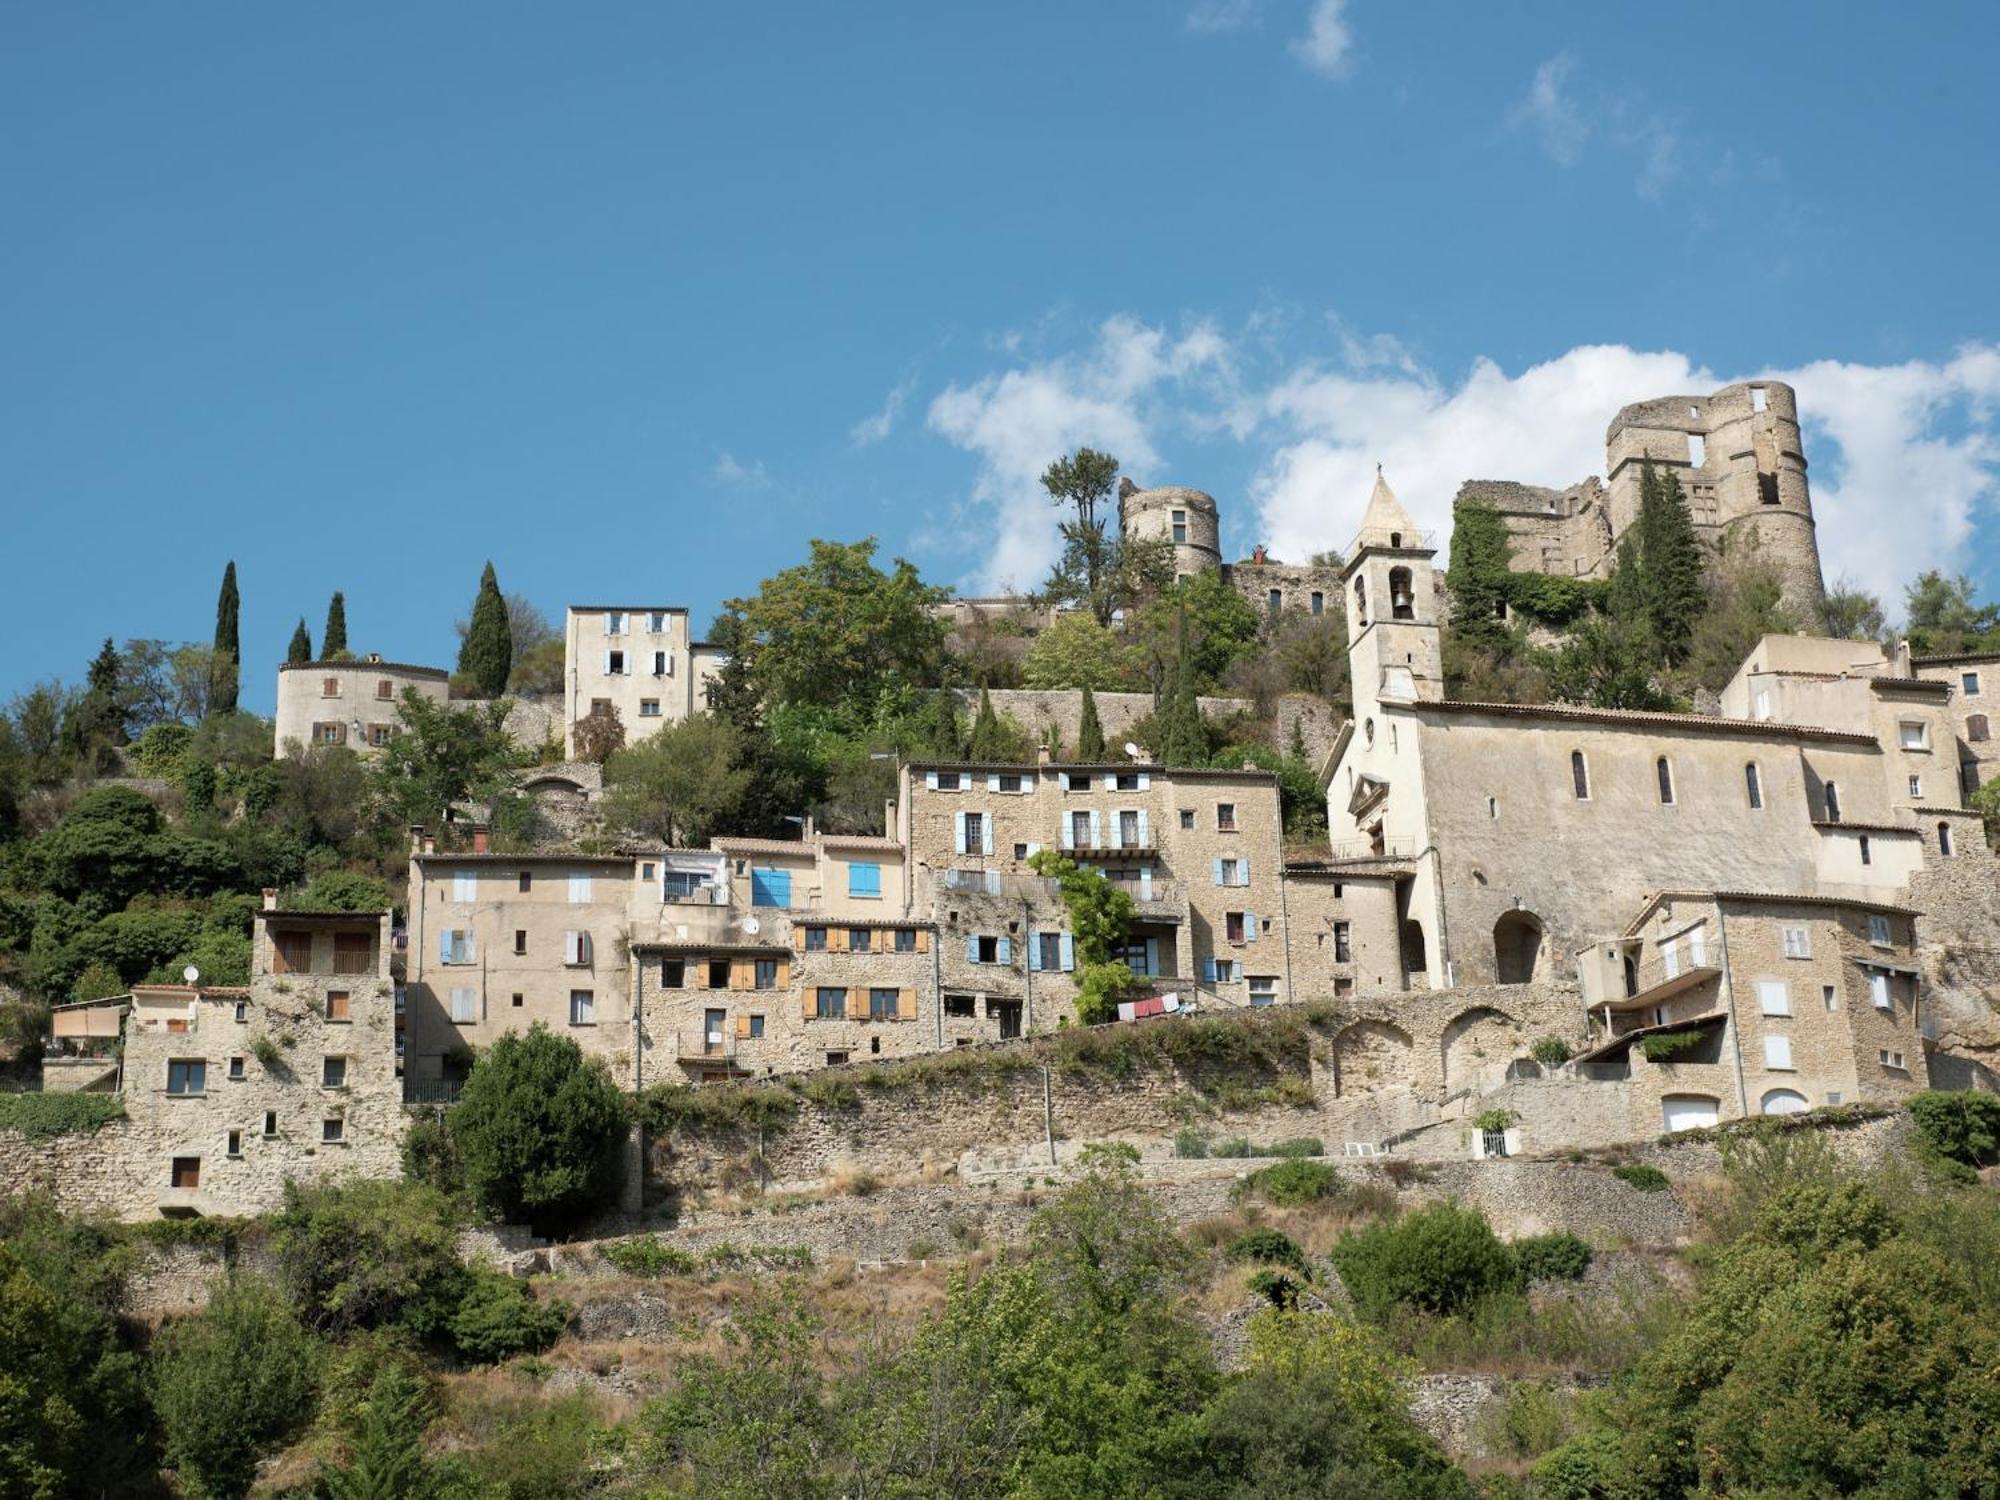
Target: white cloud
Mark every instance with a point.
(1905, 457)
(875, 428)
(1552, 114)
(1221, 15)
(1110, 397)
(729, 470)
(1327, 46)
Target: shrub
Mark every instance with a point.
(1438, 1260)
(1959, 1125)
(497, 1317)
(39, 1116)
(649, 1257)
(342, 890)
(1235, 1146)
(1552, 1257)
(1303, 1145)
(1190, 1144)
(1282, 1291)
(1550, 1051)
(1269, 1245)
(368, 1254)
(1664, 1047)
(1495, 1120)
(539, 1129)
(431, 1156)
(1294, 1182)
(1638, 1175)
(229, 1383)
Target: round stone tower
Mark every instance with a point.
(1742, 466)
(1186, 518)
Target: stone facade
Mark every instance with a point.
(351, 702)
(638, 661)
(1971, 709)
(1186, 520)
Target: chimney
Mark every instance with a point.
(430, 843)
(270, 898)
(1042, 756)
(806, 829)
(1904, 666)
(416, 838)
(1258, 555)
(482, 838)
(889, 818)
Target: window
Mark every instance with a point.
(1829, 997)
(1222, 970)
(1007, 781)
(815, 940)
(186, 1171)
(379, 734)
(961, 1007)
(333, 1073)
(1753, 786)
(520, 940)
(1763, 704)
(270, 1122)
(338, 1005)
(1493, 808)
(1890, 1058)
(1773, 999)
(660, 665)
(1048, 948)
(1878, 929)
(1275, 601)
(1079, 830)
(1318, 602)
(579, 888)
(1343, 948)
(455, 946)
(329, 734)
(753, 1027)
(1187, 817)
(333, 1131)
(384, 688)
(600, 707)
(830, 1004)
(329, 687)
(864, 882)
(242, 1012)
(859, 940)
(1232, 926)
(1579, 775)
(1867, 850)
(764, 974)
(974, 833)
(614, 663)
(1663, 768)
(947, 781)
(1778, 1053)
(582, 1008)
(236, 1069)
(464, 1005)
(614, 622)
(1758, 400)
(1697, 449)
(1225, 817)
(881, 1005)
(1944, 840)
(1913, 734)
(294, 951)
(673, 973)
(576, 949)
(235, 1146)
(1798, 941)
(1977, 729)
(1968, 684)
(1916, 788)
(1832, 802)
(527, 881)
(187, 1076)
(1180, 528)
(1878, 990)
(718, 973)
(518, 1000)
(1129, 835)
(986, 950)
(1263, 989)
(649, 708)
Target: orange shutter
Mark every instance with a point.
(906, 1005)
(799, 938)
(806, 1006)
(836, 940)
(784, 973)
(743, 974)
(923, 941)
(743, 1026)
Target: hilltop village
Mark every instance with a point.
(1536, 927)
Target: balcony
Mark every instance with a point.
(432, 1090)
(1148, 848)
(1168, 902)
(1401, 846)
(704, 1047)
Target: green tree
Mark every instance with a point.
(1478, 577)
(1672, 570)
(444, 755)
(987, 742)
(361, 1255)
(1746, 603)
(1606, 661)
(228, 646)
(1183, 738)
(681, 784)
(386, 1461)
(487, 654)
(98, 982)
(229, 1383)
(95, 723)
(1100, 922)
(540, 1131)
(1851, 613)
(1083, 577)
(837, 631)
(1441, 1259)
(301, 648)
(1089, 732)
(1075, 652)
(333, 640)
(343, 890)
(1202, 626)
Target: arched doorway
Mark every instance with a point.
(1517, 947)
(1784, 1102)
(1371, 1055)
(1481, 1040)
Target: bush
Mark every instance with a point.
(1552, 1257)
(1190, 1144)
(1282, 1291)
(648, 1257)
(1303, 1145)
(368, 1254)
(539, 1130)
(1664, 1047)
(1959, 1125)
(1295, 1182)
(1638, 1175)
(1550, 1051)
(496, 1317)
(342, 890)
(430, 1156)
(229, 1383)
(1270, 1245)
(1438, 1260)
(39, 1116)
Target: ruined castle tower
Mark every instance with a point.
(1184, 517)
(1742, 466)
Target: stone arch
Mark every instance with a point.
(1370, 1056)
(1689, 1111)
(1783, 1102)
(1416, 958)
(1402, 597)
(1517, 947)
(1477, 1039)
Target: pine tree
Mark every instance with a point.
(1672, 571)
(487, 656)
(387, 1462)
(1089, 732)
(301, 648)
(224, 676)
(987, 742)
(333, 640)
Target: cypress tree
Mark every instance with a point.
(223, 675)
(1671, 570)
(1089, 732)
(487, 656)
(986, 742)
(333, 640)
(301, 648)
(1183, 738)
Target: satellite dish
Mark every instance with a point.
(190, 974)
(752, 926)
(1132, 750)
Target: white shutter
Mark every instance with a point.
(572, 947)
(1096, 833)
(1145, 781)
(930, 780)
(1218, 869)
(1778, 1053)
(992, 781)
(958, 839)
(579, 889)
(1144, 842)
(1772, 998)
(1145, 882)
(1878, 990)
(1249, 927)
(986, 834)
(1067, 944)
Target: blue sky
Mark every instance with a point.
(635, 299)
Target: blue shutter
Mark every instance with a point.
(1062, 827)
(992, 781)
(958, 843)
(1006, 950)
(1034, 953)
(1249, 927)
(1243, 870)
(930, 780)
(1218, 869)
(1096, 831)
(972, 948)
(444, 945)
(1208, 971)
(1067, 943)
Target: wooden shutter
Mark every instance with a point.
(923, 941)
(743, 974)
(799, 938)
(836, 940)
(906, 1005)
(743, 1026)
(808, 1004)
(784, 973)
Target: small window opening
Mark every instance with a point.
(1579, 775)
(1697, 449)
(1759, 401)
(1666, 774)
(1753, 786)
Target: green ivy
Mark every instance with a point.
(41, 1116)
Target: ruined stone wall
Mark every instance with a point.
(1039, 710)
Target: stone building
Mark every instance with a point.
(1186, 520)
(640, 662)
(351, 701)
(1742, 466)
(1976, 679)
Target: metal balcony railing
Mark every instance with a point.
(1402, 846)
(704, 1046)
(432, 1090)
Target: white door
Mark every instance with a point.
(1784, 1102)
(1688, 1111)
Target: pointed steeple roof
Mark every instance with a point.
(1385, 523)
